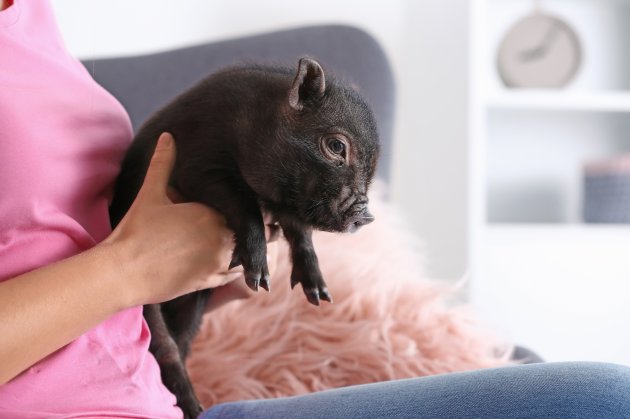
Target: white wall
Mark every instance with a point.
(424, 39)
(431, 161)
(122, 27)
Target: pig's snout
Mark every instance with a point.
(360, 217)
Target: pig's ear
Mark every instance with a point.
(309, 83)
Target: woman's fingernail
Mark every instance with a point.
(165, 140)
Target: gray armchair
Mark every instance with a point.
(145, 83)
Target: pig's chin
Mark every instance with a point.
(353, 224)
(325, 221)
(336, 224)
(328, 225)
(352, 228)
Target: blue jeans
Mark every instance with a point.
(551, 390)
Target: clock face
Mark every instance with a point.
(540, 51)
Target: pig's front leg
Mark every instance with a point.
(305, 265)
(240, 208)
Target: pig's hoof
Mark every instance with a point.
(325, 295)
(258, 278)
(191, 407)
(314, 292)
(252, 282)
(193, 413)
(264, 282)
(314, 295)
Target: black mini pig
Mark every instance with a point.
(298, 145)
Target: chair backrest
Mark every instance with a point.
(145, 83)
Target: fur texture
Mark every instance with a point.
(388, 321)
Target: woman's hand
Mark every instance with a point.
(168, 249)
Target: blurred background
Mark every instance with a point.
(511, 135)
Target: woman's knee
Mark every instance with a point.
(592, 389)
(608, 378)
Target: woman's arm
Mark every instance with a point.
(47, 308)
(159, 251)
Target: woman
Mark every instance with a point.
(74, 343)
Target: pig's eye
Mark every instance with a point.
(337, 146)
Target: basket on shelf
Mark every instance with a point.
(607, 191)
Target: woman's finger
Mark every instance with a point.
(235, 290)
(156, 180)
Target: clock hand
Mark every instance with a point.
(539, 51)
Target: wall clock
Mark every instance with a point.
(539, 51)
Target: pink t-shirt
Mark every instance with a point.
(62, 138)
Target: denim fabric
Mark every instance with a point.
(551, 390)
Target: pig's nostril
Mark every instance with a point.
(363, 220)
(357, 221)
(367, 219)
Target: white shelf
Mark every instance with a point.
(560, 100)
(560, 288)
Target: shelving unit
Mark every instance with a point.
(538, 273)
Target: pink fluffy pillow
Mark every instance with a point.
(387, 321)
